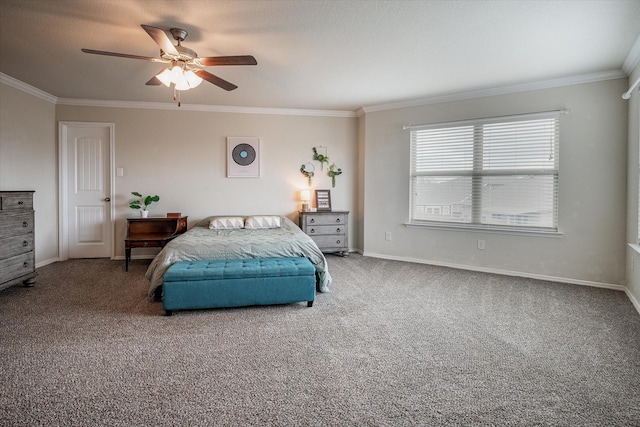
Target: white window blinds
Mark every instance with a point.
(498, 172)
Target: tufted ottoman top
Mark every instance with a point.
(238, 268)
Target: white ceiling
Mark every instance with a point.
(330, 55)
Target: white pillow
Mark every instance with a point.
(262, 221)
(226, 223)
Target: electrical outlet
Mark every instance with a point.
(387, 235)
(481, 244)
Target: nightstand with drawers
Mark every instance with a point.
(330, 230)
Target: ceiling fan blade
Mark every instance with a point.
(215, 80)
(153, 81)
(160, 37)
(122, 55)
(228, 60)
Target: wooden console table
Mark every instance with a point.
(153, 232)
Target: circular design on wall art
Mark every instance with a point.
(243, 154)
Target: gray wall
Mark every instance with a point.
(592, 194)
(181, 156)
(28, 161)
(633, 255)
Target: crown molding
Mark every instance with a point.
(633, 58)
(634, 54)
(504, 90)
(24, 87)
(17, 84)
(204, 108)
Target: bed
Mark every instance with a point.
(203, 243)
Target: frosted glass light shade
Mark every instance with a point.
(165, 77)
(183, 80)
(192, 79)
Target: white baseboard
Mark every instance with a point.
(502, 272)
(47, 262)
(121, 257)
(633, 299)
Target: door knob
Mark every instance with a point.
(107, 199)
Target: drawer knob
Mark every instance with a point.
(312, 220)
(25, 243)
(338, 242)
(25, 264)
(338, 230)
(337, 219)
(21, 202)
(25, 224)
(313, 230)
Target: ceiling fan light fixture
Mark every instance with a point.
(182, 85)
(192, 78)
(181, 77)
(165, 77)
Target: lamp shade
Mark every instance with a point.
(165, 77)
(192, 78)
(182, 79)
(305, 195)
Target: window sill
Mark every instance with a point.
(634, 247)
(486, 229)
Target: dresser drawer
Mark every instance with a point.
(325, 229)
(13, 202)
(325, 219)
(16, 245)
(329, 242)
(16, 266)
(14, 223)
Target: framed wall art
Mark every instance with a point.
(243, 157)
(323, 200)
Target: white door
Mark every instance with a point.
(86, 212)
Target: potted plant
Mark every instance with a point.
(143, 203)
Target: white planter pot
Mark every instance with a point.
(144, 214)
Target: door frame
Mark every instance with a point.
(63, 185)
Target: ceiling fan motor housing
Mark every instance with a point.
(186, 54)
(179, 34)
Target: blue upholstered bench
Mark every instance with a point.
(238, 282)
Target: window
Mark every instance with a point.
(488, 173)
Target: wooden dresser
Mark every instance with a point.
(17, 254)
(152, 232)
(330, 230)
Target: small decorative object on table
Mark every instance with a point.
(323, 200)
(143, 203)
(305, 196)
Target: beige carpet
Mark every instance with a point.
(393, 344)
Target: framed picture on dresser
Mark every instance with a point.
(323, 200)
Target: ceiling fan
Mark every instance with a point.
(184, 71)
